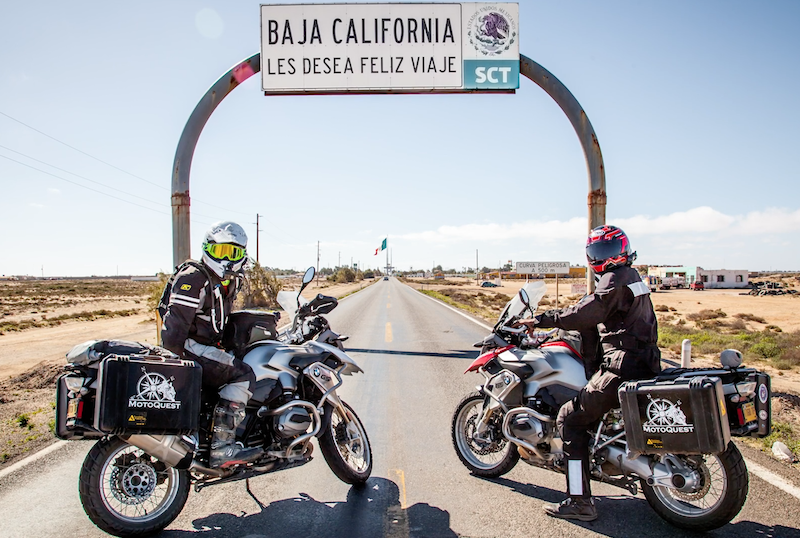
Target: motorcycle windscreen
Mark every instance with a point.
(515, 306)
(288, 301)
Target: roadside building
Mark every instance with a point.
(723, 278)
(689, 274)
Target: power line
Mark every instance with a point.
(89, 188)
(109, 164)
(116, 168)
(89, 180)
(82, 152)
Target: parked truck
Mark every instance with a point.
(673, 282)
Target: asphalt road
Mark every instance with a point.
(414, 352)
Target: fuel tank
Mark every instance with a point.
(554, 366)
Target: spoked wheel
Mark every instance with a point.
(126, 492)
(489, 456)
(720, 495)
(345, 446)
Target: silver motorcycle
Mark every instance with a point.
(693, 477)
(135, 482)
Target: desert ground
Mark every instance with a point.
(31, 358)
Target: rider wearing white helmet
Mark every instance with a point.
(200, 301)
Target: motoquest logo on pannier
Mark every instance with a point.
(154, 391)
(686, 415)
(147, 395)
(664, 416)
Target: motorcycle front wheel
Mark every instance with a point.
(345, 446)
(720, 495)
(488, 457)
(126, 492)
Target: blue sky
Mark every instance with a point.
(693, 104)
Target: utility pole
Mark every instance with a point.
(476, 268)
(317, 263)
(257, 234)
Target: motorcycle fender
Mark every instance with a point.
(333, 401)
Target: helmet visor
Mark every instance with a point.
(221, 251)
(603, 250)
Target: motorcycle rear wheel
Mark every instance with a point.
(345, 446)
(126, 492)
(722, 493)
(488, 460)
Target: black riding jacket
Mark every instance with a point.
(622, 313)
(198, 308)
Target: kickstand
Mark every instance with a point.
(249, 492)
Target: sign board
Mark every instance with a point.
(543, 268)
(579, 289)
(389, 48)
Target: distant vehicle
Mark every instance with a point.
(651, 282)
(673, 282)
(488, 284)
(386, 278)
(697, 286)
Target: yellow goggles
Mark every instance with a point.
(222, 251)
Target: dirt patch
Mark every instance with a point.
(32, 359)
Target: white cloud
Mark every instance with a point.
(53, 190)
(36, 206)
(701, 220)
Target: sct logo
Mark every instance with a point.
(495, 75)
(491, 74)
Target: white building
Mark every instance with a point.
(722, 278)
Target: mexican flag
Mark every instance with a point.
(382, 247)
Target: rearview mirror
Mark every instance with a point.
(309, 276)
(523, 296)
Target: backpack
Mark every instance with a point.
(163, 303)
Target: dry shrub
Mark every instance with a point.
(750, 317)
(661, 308)
(706, 314)
(791, 357)
(738, 325)
(673, 309)
(545, 302)
(668, 317)
(774, 328)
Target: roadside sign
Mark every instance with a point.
(390, 48)
(579, 289)
(543, 268)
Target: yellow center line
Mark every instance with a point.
(401, 478)
(388, 332)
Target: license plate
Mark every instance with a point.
(72, 408)
(749, 410)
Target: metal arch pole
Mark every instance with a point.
(588, 139)
(181, 248)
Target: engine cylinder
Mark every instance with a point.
(292, 422)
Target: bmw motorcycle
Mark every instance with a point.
(670, 437)
(135, 482)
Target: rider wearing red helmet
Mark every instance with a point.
(621, 312)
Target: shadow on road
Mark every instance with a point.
(453, 354)
(623, 516)
(370, 511)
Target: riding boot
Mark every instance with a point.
(225, 450)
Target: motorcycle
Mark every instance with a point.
(681, 456)
(134, 482)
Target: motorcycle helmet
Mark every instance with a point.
(224, 249)
(608, 248)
